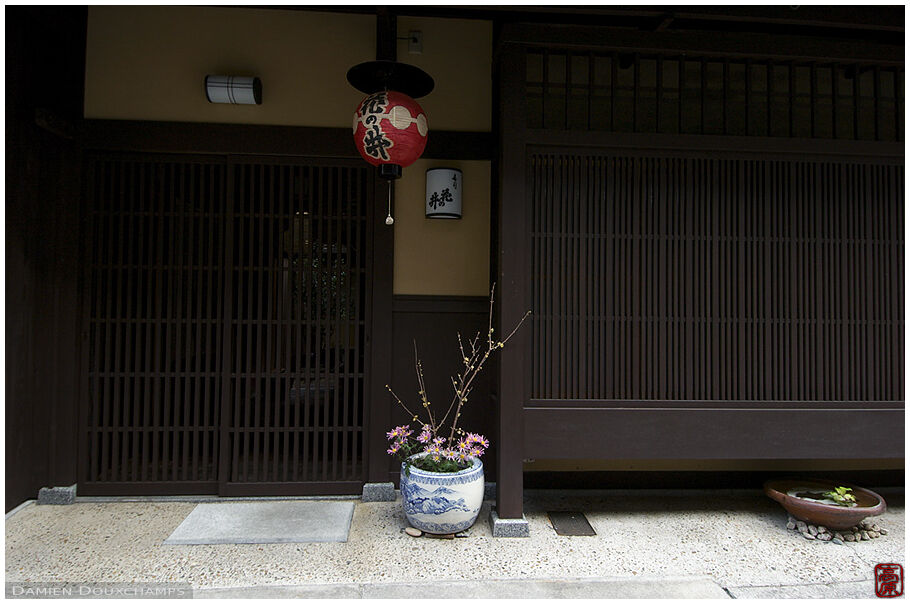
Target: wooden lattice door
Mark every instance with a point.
(226, 304)
(299, 281)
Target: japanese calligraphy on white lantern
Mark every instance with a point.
(443, 193)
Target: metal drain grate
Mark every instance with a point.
(571, 524)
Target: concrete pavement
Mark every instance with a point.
(611, 588)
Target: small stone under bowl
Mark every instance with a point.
(868, 503)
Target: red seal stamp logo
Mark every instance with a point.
(889, 580)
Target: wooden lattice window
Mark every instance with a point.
(714, 279)
(631, 92)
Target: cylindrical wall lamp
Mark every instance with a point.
(236, 90)
(443, 193)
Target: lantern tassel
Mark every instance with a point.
(388, 219)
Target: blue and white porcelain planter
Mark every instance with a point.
(442, 502)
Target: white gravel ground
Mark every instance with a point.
(737, 538)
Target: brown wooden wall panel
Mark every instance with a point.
(717, 280)
(433, 322)
(45, 53)
(693, 433)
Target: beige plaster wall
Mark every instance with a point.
(436, 256)
(149, 63)
(458, 54)
(447, 257)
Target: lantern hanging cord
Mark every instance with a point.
(388, 219)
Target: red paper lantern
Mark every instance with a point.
(390, 128)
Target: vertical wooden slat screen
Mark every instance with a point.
(297, 326)
(153, 294)
(734, 281)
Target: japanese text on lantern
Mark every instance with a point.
(375, 141)
(440, 199)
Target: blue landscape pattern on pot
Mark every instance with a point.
(434, 503)
(437, 502)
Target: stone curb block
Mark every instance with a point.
(57, 495)
(509, 527)
(378, 491)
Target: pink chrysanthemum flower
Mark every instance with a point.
(436, 458)
(393, 448)
(425, 437)
(462, 455)
(476, 452)
(473, 438)
(438, 440)
(464, 445)
(482, 441)
(449, 454)
(399, 431)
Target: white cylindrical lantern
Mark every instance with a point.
(236, 90)
(443, 193)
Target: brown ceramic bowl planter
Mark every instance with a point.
(868, 503)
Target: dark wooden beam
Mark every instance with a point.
(111, 489)
(630, 403)
(512, 285)
(379, 342)
(727, 44)
(871, 18)
(441, 304)
(251, 139)
(386, 35)
(289, 489)
(723, 146)
(693, 433)
(714, 479)
(45, 75)
(849, 17)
